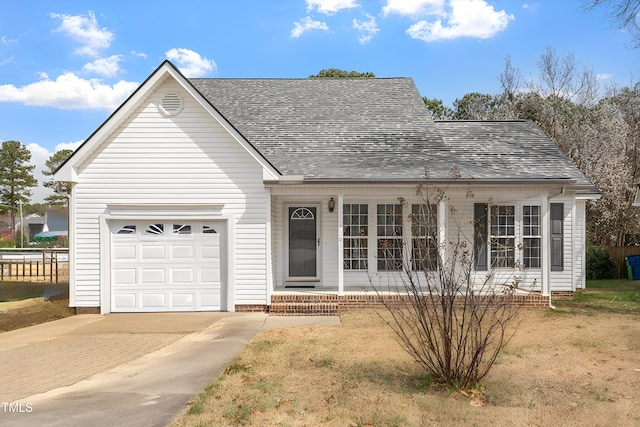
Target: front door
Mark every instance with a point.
(303, 242)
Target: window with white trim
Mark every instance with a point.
(424, 232)
(181, 229)
(156, 229)
(355, 226)
(502, 235)
(531, 236)
(207, 229)
(389, 232)
(127, 229)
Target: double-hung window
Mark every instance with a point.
(531, 237)
(424, 229)
(503, 236)
(510, 228)
(355, 222)
(389, 232)
(388, 235)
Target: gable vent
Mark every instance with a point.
(171, 104)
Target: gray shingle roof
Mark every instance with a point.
(513, 149)
(376, 129)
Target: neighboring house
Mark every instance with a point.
(56, 218)
(217, 194)
(636, 202)
(33, 224)
(54, 223)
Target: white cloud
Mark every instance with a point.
(9, 60)
(190, 63)
(106, 67)
(413, 8)
(604, 76)
(69, 92)
(468, 18)
(307, 24)
(329, 7)
(368, 29)
(4, 40)
(39, 155)
(138, 54)
(68, 145)
(85, 30)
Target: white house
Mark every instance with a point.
(219, 194)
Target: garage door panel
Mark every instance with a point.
(210, 300)
(152, 275)
(210, 275)
(153, 300)
(182, 275)
(126, 300)
(166, 265)
(182, 251)
(183, 300)
(153, 252)
(124, 276)
(209, 252)
(125, 252)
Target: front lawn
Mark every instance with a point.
(17, 291)
(43, 302)
(617, 295)
(575, 366)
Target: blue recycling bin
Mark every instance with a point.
(633, 267)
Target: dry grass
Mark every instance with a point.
(561, 368)
(33, 312)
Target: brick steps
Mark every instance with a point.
(303, 309)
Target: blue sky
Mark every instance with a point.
(65, 65)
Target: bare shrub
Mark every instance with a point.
(450, 321)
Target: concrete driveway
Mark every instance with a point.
(121, 369)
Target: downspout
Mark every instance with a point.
(562, 191)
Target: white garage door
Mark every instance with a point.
(166, 265)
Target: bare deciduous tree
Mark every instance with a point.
(510, 80)
(453, 326)
(624, 14)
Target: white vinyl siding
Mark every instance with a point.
(579, 245)
(184, 159)
(459, 213)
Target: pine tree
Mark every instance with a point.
(16, 176)
(61, 190)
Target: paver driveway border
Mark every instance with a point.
(122, 369)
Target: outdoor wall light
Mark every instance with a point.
(332, 204)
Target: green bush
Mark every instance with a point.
(600, 264)
(6, 243)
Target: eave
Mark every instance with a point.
(300, 180)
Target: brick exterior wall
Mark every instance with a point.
(331, 305)
(323, 305)
(252, 308)
(87, 310)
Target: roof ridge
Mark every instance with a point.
(304, 78)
